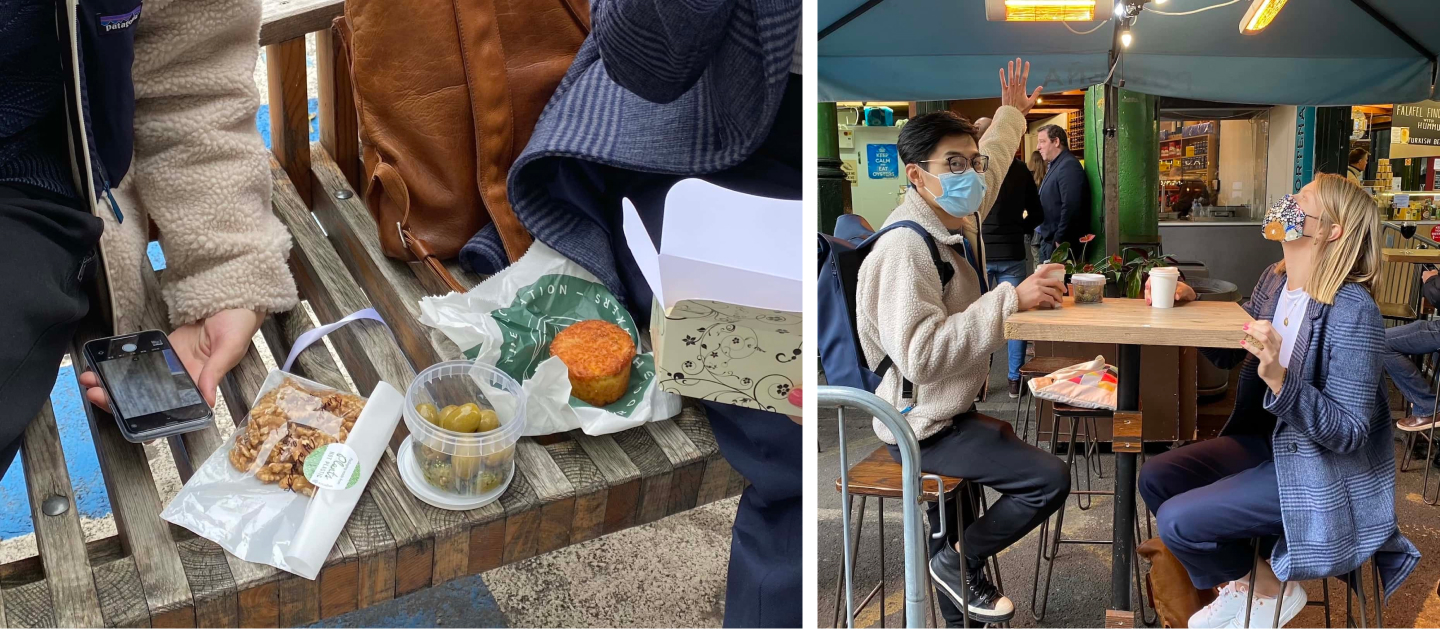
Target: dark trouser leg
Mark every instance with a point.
(1413, 339)
(987, 452)
(1211, 499)
(763, 583)
(44, 246)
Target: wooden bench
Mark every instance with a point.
(569, 489)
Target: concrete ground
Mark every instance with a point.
(1080, 584)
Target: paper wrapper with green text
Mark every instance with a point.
(509, 320)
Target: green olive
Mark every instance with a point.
(466, 467)
(488, 421)
(427, 454)
(465, 419)
(447, 413)
(490, 480)
(428, 412)
(499, 459)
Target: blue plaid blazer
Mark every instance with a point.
(677, 87)
(1335, 457)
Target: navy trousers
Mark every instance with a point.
(1211, 499)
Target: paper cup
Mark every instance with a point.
(1163, 286)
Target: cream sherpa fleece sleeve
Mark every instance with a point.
(200, 169)
(925, 343)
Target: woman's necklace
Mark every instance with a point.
(1290, 310)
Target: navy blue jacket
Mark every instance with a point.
(1331, 435)
(35, 62)
(1066, 199)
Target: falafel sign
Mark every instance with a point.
(726, 323)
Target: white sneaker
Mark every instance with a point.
(1230, 602)
(1263, 610)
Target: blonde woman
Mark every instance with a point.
(1037, 164)
(1305, 463)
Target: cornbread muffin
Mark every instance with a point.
(597, 357)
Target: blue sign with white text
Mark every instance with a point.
(882, 161)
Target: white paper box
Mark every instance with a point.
(726, 325)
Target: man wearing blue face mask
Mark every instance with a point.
(940, 334)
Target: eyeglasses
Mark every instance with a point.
(958, 164)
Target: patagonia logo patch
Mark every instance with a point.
(111, 23)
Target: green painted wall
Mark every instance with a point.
(1138, 160)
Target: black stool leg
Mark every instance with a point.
(1378, 601)
(1326, 600)
(1276, 620)
(1086, 454)
(1044, 594)
(1020, 401)
(1360, 595)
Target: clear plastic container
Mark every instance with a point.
(1088, 288)
(461, 470)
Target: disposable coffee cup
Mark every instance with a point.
(1163, 286)
(1058, 274)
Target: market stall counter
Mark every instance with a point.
(1131, 324)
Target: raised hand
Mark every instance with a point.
(1013, 86)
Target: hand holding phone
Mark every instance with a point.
(148, 388)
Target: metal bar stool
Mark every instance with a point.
(1034, 368)
(1350, 578)
(1043, 595)
(910, 488)
(879, 476)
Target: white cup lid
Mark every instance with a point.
(1165, 270)
(1088, 278)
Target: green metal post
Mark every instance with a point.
(833, 192)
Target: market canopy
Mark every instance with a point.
(1315, 52)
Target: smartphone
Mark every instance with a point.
(151, 394)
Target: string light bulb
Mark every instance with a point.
(1126, 38)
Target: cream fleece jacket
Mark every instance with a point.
(199, 170)
(941, 340)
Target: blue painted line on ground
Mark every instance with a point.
(464, 602)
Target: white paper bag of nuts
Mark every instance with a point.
(252, 496)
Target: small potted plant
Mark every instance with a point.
(1128, 276)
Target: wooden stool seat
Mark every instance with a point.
(880, 475)
(1066, 410)
(1043, 365)
(1397, 311)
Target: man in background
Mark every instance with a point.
(1017, 212)
(1356, 168)
(1065, 193)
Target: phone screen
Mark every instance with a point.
(147, 383)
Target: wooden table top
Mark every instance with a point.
(1132, 322)
(1420, 256)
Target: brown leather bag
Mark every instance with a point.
(1172, 593)
(448, 93)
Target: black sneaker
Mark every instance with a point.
(983, 602)
(1015, 389)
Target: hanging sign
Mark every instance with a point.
(1417, 124)
(882, 161)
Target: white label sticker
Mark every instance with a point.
(333, 466)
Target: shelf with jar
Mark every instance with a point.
(1407, 205)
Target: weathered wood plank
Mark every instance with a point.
(655, 469)
(339, 588)
(552, 489)
(522, 519)
(289, 114)
(29, 606)
(208, 572)
(685, 459)
(283, 20)
(376, 572)
(122, 600)
(339, 121)
(58, 538)
(621, 475)
(299, 602)
(715, 481)
(136, 505)
(590, 489)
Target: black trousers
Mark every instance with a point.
(986, 451)
(46, 259)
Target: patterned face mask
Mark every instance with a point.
(1284, 221)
